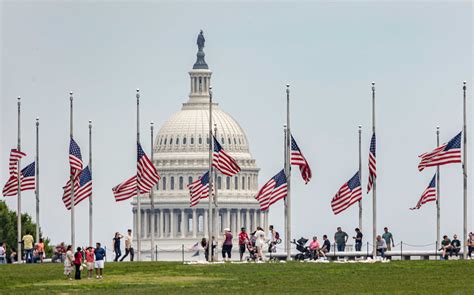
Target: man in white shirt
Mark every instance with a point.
(129, 245)
(381, 246)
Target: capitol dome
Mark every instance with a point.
(181, 155)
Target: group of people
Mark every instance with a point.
(253, 243)
(128, 246)
(33, 253)
(89, 258)
(450, 247)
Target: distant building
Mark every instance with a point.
(181, 156)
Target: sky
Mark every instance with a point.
(418, 54)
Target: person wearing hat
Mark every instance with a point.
(243, 241)
(227, 244)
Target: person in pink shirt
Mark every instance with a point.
(90, 257)
(315, 248)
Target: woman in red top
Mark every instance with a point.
(78, 263)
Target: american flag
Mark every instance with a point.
(348, 194)
(223, 161)
(27, 181)
(82, 189)
(298, 159)
(429, 195)
(372, 164)
(75, 158)
(275, 189)
(445, 154)
(126, 189)
(199, 189)
(146, 172)
(15, 156)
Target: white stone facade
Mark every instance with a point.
(181, 156)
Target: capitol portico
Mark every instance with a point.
(181, 156)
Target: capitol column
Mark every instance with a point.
(247, 220)
(171, 223)
(255, 220)
(161, 229)
(194, 223)
(265, 219)
(183, 223)
(145, 223)
(239, 225)
(205, 222)
(227, 218)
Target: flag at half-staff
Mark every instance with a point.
(10, 188)
(272, 191)
(447, 153)
(429, 195)
(349, 194)
(145, 179)
(75, 158)
(15, 156)
(27, 181)
(298, 159)
(82, 189)
(223, 161)
(372, 164)
(199, 189)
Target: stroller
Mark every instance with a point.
(252, 249)
(305, 253)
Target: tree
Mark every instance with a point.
(8, 230)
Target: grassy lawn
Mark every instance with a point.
(436, 277)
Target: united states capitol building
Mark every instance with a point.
(181, 155)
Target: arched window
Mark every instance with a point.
(228, 141)
(249, 186)
(223, 140)
(161, 141)
(164, 183)
(243, 182)
(171, 140)
(236, 183)
(172, 183)
(177, 141)
(181, 183)
(190, 179)
(165, 141)
(235, 141)
(192, 140)
(184, 140)
(219, 182)
(227, 182)
(200, 140)
(240, 142)
(207, 140)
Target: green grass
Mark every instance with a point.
(436, 277)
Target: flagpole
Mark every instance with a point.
(139, 215)
(360, 175)
(285, 152)
(37, 181)
(464, 167)
(90, 197)
(211, 140)
(374, 186)
(18, 171)
(438, 198)
(216, 210)
(152, 203)
(288, 175)
(73, 233)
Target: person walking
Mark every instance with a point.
(99, 260)
(40, 249)
(388, 237)
(116, 241)
(259, 242)
(3, 253)
(68, 262)
(243, 241)
(90, 257)
(129, 246)
(358, 239)
(78, 263)
(227, 244)
(340, 238)
(28, 243)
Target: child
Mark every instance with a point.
(90, 262)
(40, 249)
(68, 262)
(78, 263)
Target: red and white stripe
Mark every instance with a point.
(147, 174)
(268, 195)
(345, 197)
(15, 156)
(126, 189)
(225, 163)
(197, 191)
(11, 187)
(80, 193)
(439, 157)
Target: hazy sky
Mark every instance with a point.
(418, 53)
